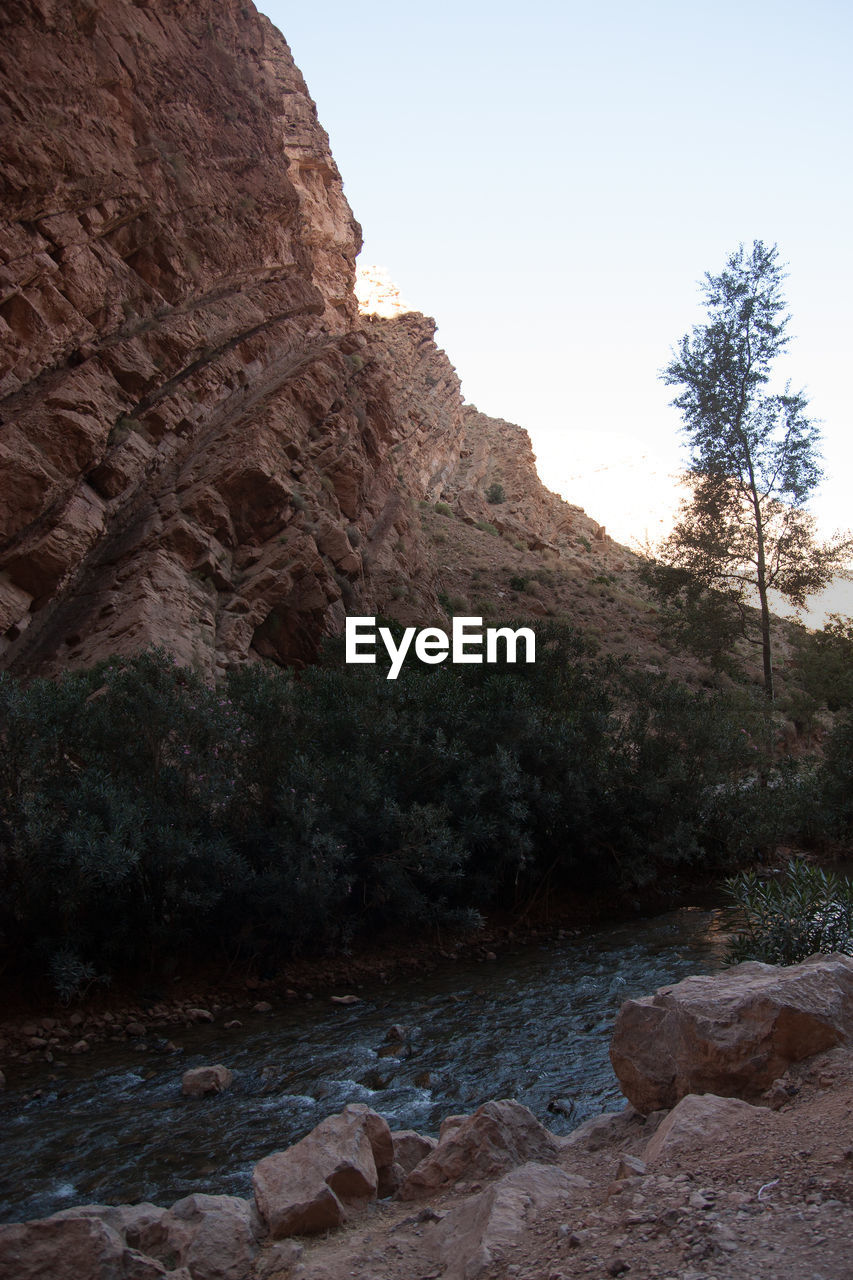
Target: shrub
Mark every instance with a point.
(495, 493)
(783, 921)
(145, 816)
(443, 509)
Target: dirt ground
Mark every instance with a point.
(772, 1200)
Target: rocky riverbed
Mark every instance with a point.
(711, 1187)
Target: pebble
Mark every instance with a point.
(263, 1006)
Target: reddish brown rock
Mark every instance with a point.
(203, 445)
(497, 1137)
(697, 1121)
(484, 1230)
(330, 1173)
(214, 1237)
(199, 1082)
(66, 1249)
(732, 1033)
(411, 1148)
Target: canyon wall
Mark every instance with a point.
(202, 443)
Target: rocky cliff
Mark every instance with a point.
(202, 443)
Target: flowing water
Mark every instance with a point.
(533, 1025)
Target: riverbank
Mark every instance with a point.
(767, 1196)
(714, 1188)
(35, 1025)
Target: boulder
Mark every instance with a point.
(65, 1248)
(498, 1137)
(214, 1237)
(198, 1082)
(733, 1033)
(411, 1148)
(327, 1176)
(484, 1229)
(697, 1121)
(606, 1130)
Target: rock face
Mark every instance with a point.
(202, 445)
(496, 1138)
(733, 1033)
(194, 441)
(333, 1171)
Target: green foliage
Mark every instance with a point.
(485, 527)
(443, 509)
(834, 780)
(785, 920)
(694, 617)
(518, 583)
(145, 815)
(754, 453)
(824, 663)
(495, 493)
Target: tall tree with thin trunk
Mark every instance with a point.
(754, 455)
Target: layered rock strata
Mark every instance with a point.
(203, 445)
(196, 436)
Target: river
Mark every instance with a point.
(533, 1025)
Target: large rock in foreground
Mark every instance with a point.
(498, 1137)
(731, 1034)
(484, 1229)
(331, 1172)
(700, 1121)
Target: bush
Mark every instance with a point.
(495, 493)
(145, 816)
(443, 509)
(783, 921)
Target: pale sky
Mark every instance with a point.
(551, 181)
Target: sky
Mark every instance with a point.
(551, 181)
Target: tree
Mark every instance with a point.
(754, 462)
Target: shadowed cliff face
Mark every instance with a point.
(202, 444)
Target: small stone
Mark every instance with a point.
(135, 1029)
(233, 1024)
(346, 999)
(199, 1082)
(199, 1015)
(630, 1167)
(277, 1258)
(82, 1046)
(263, 1006)
(618, 1267)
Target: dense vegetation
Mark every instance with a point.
(145, 815)
(785, 920)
